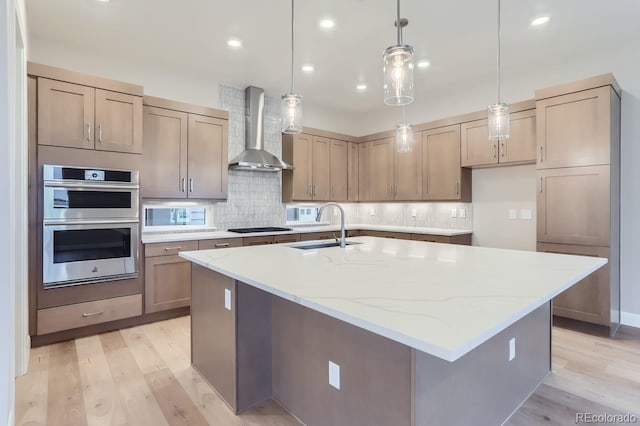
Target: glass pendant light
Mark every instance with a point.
(404, 135)
(291, 112)
(398, 69)
(498, 113)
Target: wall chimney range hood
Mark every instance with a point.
(254, 157)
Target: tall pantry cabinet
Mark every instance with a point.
(578, 202)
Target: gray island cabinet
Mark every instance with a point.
(382, 332)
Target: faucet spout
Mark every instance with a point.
(343, 241)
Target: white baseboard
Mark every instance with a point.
(630, 319)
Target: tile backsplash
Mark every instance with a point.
(255, 198)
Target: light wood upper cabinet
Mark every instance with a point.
(207, 157)
(575, 129)
(119, 122)
(574, 206)
(321, 168)
(302, 177)
(521, 145)
(164, 169)
(364, 168)
(407, 184)
(476, 148)
(185, 155)
(77, 116)
(338, 176)
(65, 114)
(381, 169)
(353, 171)
(441, 171)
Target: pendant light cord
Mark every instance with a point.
(498, 56)
(292, 15)
(398, 25)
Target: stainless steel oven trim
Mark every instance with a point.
(57, 275)
(47, 174)
(51, 212)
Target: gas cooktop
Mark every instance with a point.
(261, 229)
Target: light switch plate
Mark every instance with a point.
(372, 211)
(512, 348)
(227, 299)
(414, 212)
(454, 213)
(513, 214)
(525, 214)
(334, 375)
(462, 213)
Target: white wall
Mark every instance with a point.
(495, 192)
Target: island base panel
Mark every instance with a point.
(484, 387)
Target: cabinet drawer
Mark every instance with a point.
(387, 234)
(431, 238)
(168, 249)
(218, 243)
(257, 241)
(67, 317)
(311, 236)
(286, 238)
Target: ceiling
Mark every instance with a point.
(457, 37)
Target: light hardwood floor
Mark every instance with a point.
(142, 376)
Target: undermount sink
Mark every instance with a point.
(310, 245)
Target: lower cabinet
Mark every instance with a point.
(311, 236)
(446, 239)
(167, 283)
(386, 234)
(286, 238)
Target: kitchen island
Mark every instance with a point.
(381, 332)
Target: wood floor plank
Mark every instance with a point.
(140, 405)
(32, 389)
(176, 405)
(65, 403)
(101, 396)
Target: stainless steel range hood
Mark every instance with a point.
(254, 157)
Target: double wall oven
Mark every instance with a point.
(90, 226)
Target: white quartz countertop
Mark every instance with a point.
(442, 299)
(148, 238)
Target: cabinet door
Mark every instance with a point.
(167, 283)
(574, 129)
(118, 122)
(286, 238)
(257, 241)
(588, 300)
(207, 161)
(364, 166)
(353, 172)
(521, 145)
(219, 243)
(164, 159)
(441, 171)
(408, 172)
(338, 176)
(381, 169)
(477, 149)
(65, 114)
(321, 168)
(573, 206)
(302, 177)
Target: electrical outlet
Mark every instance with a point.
(227, 299)
(414, 213)
(512, 348)
(513, 214)
(454, 213)
(334, 375)
(462, 212)
(372, 211)
(525, 214)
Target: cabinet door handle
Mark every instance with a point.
(88, 132)
(541, 157)
(310, 191)
(502, 152)
(221, 245)
(313, 190)
(190, 184)
(183, 185)
(540, 184)
(457, 188)
(494, 151)
(172, 248)
(100, 133)
(92, 314)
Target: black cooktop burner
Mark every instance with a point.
(262, 229)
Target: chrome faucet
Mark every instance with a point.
(343, 241)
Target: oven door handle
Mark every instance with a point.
(90, 185)
(50, 222)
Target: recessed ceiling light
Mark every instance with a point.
(234, 43)
(103, 1)
(327, 23)
(424, 64)
(307, 68)
(361, 87)
(540, 20)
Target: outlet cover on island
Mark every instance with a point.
(334, 375)
(525, 214)
(462, 212)
(513, 214)
(512, 348)
(414, 213)
(454, 213)
(227, 299)
(372, 211)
